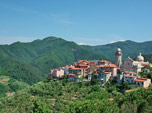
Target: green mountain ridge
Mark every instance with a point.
(129, 48)
(31, 62)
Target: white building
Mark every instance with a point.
(134, 66)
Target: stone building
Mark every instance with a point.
(118, 58)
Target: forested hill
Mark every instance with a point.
(31, 62)
(129, 48)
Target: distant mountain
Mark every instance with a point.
(129, 48)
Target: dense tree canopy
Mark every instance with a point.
(73, 97)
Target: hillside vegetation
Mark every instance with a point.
(9, 86)
(82, 97)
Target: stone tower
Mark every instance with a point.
(118, 57)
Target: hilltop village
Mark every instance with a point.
(103, 70)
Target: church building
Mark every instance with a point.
(130, 65)
(134, 65)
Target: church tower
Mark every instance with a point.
(118, 57)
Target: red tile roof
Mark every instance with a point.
(106, 72)
(110, 65)
(140, 79)
(77, 68)
(110, 99)
(83, 65)
(130, 72)
(147, 64)
(91, 62)
(102, 66)
(104, 61)
(67, 66)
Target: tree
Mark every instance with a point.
(129, 107)
(40, 107)
(125, 85)
(93, 106)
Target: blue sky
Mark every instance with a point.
(93, 22)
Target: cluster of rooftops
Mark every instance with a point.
(104, 70)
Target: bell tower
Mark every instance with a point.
(118, 57)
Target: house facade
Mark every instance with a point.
(129, 78)
(57, 72)
(142, 82)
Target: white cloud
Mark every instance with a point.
(90, 41)
(118, 41)
(81, 43)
